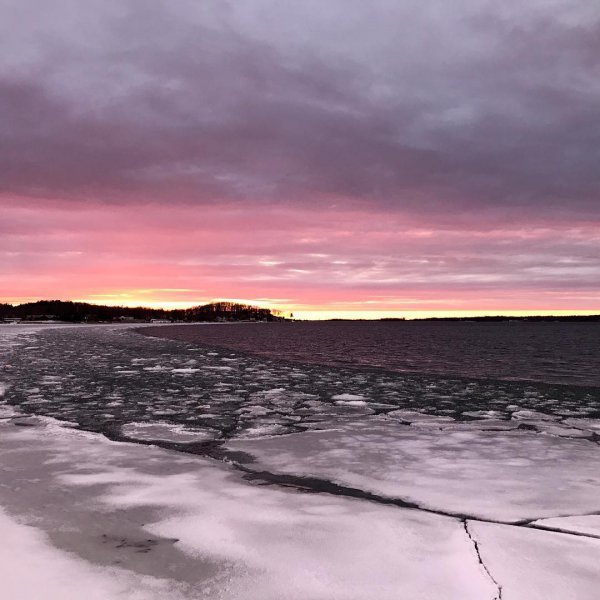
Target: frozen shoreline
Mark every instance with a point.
(145, 523)
(187, 527)
(134, 521)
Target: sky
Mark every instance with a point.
(328, 158)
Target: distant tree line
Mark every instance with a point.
(78, 312)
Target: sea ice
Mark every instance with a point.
(166, 432)
(418, 418)
(592, 425)
(31, 569)
(533, 415)
(531, 564)
(267, 543)
(353, 398)
(498, 475)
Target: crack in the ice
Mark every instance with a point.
(560, 530)
(214, 450)
(593, 513)
(324, 486)
(480, 559)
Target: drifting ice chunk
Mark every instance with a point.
(166, 432)
(269, 429)
(418, 418)
(352, 399)
(533, 415)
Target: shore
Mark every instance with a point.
(396, 505)
(116, 517)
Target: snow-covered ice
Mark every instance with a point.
(266, 543)
(31, 569)
(539, 565)
(418, 418)
(498, 475)
(498, 451)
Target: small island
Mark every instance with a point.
(83, 312)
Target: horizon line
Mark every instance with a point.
(323, 314)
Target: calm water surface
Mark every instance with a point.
(551, 352)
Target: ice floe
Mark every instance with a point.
(167, 432)
(349, 399)
(533, 415)
(418, 418)
(498, 475)
(266, 543)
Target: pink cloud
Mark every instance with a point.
(328, 258)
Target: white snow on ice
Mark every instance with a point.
(539, 565)
(499, 475)
(31, 569)
(271, 543)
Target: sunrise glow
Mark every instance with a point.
(277, 173)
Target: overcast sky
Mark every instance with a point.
(390, 155)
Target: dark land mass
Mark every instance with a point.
(82, 312)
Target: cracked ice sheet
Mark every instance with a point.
(496, 475)
(539, 565)
(267, 543)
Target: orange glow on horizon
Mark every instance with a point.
(305, 312)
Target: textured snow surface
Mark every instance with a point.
(31, 569)
(504, 451)
(539, 565)
(498, 475)
(268, 543)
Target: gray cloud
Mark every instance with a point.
(434, 108)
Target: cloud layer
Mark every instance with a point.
(413, 154)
